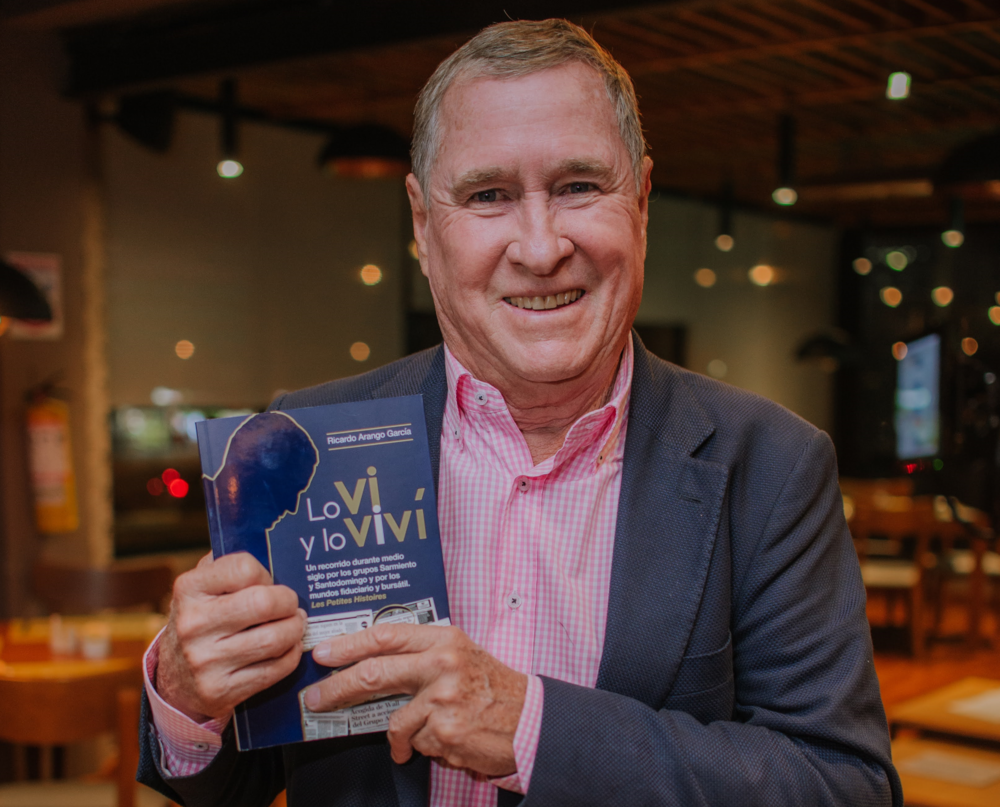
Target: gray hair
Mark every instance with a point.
(512, 50)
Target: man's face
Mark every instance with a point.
(532, 205)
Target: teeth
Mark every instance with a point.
(545, 303)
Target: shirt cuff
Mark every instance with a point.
(186, 747)
(529, 729)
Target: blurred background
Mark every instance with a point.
(207, 197)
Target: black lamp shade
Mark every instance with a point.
(366, 150)
(20, 297)
(148, 118)
(976, 161)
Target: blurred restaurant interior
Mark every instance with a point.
(209, 195)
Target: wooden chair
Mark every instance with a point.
(83, 589)
(904, 574)
(49, 712)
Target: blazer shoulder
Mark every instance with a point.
(401, 377)
(743, 422)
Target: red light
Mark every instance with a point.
(178, 488)
(154, 486)
(169, 476)
(910, 468)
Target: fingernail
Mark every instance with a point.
(321, 653)
(302, 613)
(312, 697)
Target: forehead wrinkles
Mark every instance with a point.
(462, 108)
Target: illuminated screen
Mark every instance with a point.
(918, 422)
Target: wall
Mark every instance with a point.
(48, 203)
(260, 272)
(754, 331)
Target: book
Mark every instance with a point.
(338, 503)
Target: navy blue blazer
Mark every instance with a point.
(737, 666)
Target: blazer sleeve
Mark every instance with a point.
(233, 779)
(806, 727)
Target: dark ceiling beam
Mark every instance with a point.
(212, 37)
(731, 56)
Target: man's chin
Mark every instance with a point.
(536, 365)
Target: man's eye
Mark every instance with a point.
(581, 187)
(486, 196)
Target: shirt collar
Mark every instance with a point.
(595, 434)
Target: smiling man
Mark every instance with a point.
(654, 595)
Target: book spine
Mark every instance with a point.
(210, 465)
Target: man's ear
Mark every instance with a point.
(418, 209)
(646, 189)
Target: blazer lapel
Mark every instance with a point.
(668, 517)
(433, 385)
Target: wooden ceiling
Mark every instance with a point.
(714, 77)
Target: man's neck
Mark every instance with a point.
(544, 412)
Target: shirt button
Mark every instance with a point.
(514, 601)
(524, 485)
(200, 746)
(456, 434)
(481, 398)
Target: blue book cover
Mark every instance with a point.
(338, 503)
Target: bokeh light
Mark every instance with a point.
(994, 314)
(717, 368)
(178, 488)
(942, 296)
(785, 196)
(899, 351)
(155, 487)
(969, 346)
(724, 242)
(953, 238)
(761, 275)
(705, 278)
(170, 475)
(862, 266)
(184, 349)
(891, 296)
(360, 351)
(370, 274)
(898, 86)
(897, 260)
(412, 249)
(229, 169)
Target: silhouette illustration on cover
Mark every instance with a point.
(271, 460)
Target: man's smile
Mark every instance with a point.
(546, 302)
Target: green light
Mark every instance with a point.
(938, 465)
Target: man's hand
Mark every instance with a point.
(231, 634)
(466, 704)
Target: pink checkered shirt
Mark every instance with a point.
(527, 555)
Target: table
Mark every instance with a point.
(953, 711)
(936, 774)
(55, 699)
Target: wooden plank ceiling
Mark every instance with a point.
(714, 76)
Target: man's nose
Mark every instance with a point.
(538, 245)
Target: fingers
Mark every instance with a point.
(225, 575)
(232, 633)
(260, 643)
(367, 680)
(404, 723)
(379, 640)
(218, 694)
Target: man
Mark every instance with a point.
(655, 596)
